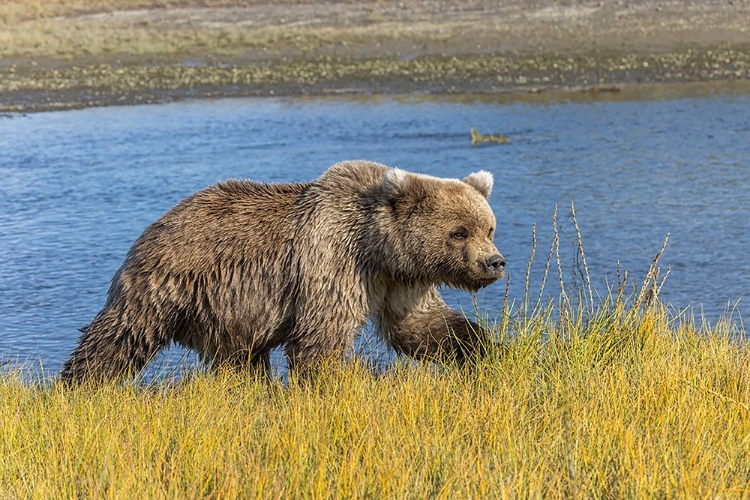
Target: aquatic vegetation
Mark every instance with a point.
(29, 86)
(479, 138)
(614, 398)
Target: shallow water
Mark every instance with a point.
(78, 187)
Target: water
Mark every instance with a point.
(78, 187)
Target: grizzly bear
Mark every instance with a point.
(242, 267)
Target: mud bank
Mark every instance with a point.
(61, 57)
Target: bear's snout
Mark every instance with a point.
(495, 265)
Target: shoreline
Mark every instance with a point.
(29, 87)
(123, 52)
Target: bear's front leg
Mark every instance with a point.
(245, 360)
(321, 339)
(315, 347)
(428, 329)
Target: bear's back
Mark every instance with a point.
(232, 218)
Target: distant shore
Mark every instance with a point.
(113, 52)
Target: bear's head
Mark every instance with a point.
(444, 228)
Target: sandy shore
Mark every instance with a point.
(121, 53)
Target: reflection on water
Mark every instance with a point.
(78, 187)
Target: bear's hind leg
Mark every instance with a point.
(109, 349)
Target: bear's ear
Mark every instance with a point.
(403, 189)
(482, 181)
(394, 182)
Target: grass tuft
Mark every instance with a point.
(478, 138)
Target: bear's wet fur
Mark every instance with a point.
(242, 267)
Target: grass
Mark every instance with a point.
(478, 138)
(631, 406)
(14, 11)
(618, 399)
(68, 30)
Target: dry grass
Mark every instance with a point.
(36, 30)
(105, 29)
(625, 408)
(13, 11)
(614, 400)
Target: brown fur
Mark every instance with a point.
(242, 267)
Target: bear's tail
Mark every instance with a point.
(108, 349)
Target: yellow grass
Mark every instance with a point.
(631, 405)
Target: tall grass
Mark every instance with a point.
(613, 399)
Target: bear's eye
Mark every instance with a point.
(491, 232)
(460, 234)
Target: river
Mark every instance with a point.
(78, 187)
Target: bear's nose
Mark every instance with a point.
(495, 263)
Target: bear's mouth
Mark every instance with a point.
(481, 283)
(474, 284)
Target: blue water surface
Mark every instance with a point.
(78, 187)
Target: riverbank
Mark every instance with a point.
(62, 55)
